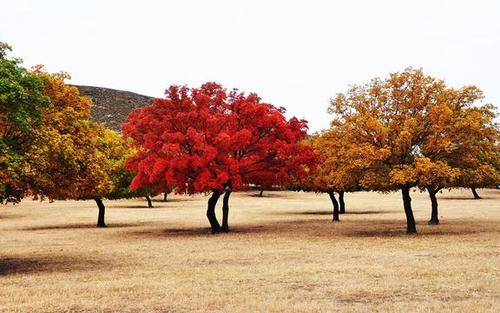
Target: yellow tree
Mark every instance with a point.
(475, 149)
(72, 157)
(342, 165)
(397, 118)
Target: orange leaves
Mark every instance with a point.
(408, 130)
(70, 150)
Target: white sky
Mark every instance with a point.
(295, 54)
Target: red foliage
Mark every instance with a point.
(200, 139)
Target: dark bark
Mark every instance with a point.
(335, 206)
(212, 219)
(150, 204)
(225, 210)
(165, 195)
(434, 206)
(341, 202)
(410, 220)
(474, 192)
(100, 216)
(261, 192)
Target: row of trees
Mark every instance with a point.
(409, 130)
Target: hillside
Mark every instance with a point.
(111, 107)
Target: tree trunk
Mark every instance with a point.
(434, 204)
(212, 219)
(165, 195)
(102, 209)
(474, 192)
(410, 220)
(261, 192)
(341, 202)
(225, 210)
(335, 206)
(150, 204)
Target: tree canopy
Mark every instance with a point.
(21, 106)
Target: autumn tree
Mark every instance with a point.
(71, 157)
(209, 140)
(461, 150)
(398, 119)
(335, 172)
(475, 152)
(21, 106)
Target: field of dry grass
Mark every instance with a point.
(283, 255)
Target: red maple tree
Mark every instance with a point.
(209, 140)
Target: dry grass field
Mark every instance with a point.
(283, 255)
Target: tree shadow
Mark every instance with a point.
(81, 226)
(131, 207)
(394, 228)
(172, 200)
(366, 212)
(173, 232)
(268, 195)
(11, 216)
(330, 212)
(464, 198)
(325, 228)
(49, 264)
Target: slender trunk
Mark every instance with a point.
(434, 205)
(335, 206)
(474, 192)
(341, 202)
(150, 204)
(165, 195)
(410, 220)
(100, 216)
(261, 192)
(212, 219)
(225, 210)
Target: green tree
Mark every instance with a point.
(21, 106)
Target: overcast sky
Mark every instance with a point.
(295, 54)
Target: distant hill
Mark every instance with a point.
(111, 107)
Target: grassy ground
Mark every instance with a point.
(283, 255)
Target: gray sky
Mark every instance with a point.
(295, 54)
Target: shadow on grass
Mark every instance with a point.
(465, 198)
(172, 232)
(132, 207)
(81, 226)
(50, 264)
(172, 200)
(325, 228)
(269, 195)
(330, 212)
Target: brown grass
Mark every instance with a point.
(283, 255)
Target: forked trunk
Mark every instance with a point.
(410, 220)
(434, 206)
(100, 216)
(474, 192)
(335, 206)
(341, 202)
(212, 219)
(150, 204)
(225, 210)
